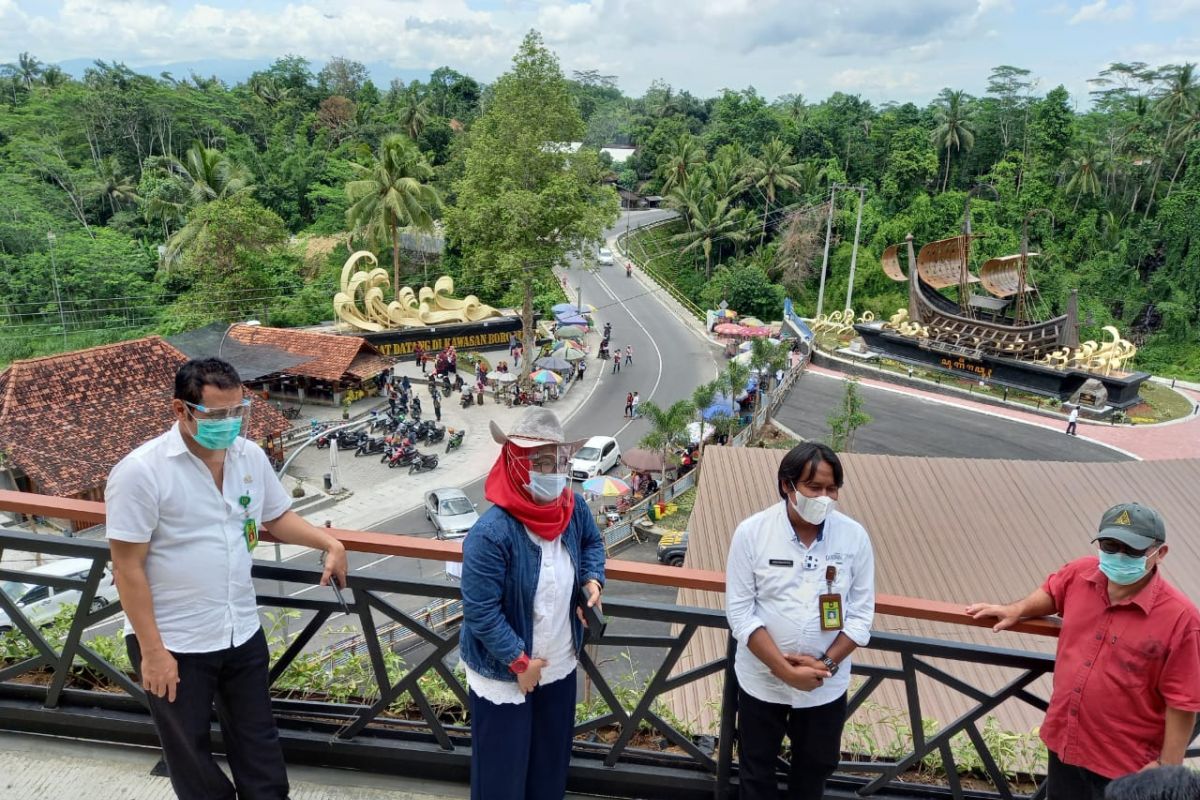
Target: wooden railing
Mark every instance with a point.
(616, 569)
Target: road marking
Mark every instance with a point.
(654, 344)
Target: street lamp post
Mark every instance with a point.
(62, 317)
(253, 323)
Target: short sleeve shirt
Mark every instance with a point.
(1118, 668)
(198, 565)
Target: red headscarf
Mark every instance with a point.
(506, 487)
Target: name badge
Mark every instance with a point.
(830, 603)
(250, 534)
(781, 562)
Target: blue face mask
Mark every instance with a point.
(546, 488)
(1121, 569)
(217, 434)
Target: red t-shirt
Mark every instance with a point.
(1118, 668)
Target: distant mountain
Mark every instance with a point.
(232, 71)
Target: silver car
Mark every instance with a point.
(451, 512)
(41, 603)
(604, 257)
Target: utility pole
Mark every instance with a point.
(825, 258)
(527, 340)
(62, 317)
(579, 298)
(862, 193)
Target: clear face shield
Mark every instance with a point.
(543, 471)
(220, 428)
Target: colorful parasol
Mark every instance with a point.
(605, 486)
(546, 376)
(570, 332)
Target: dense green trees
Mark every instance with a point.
(119, 165)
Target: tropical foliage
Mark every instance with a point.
(123, 168)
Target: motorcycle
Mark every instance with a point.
(403, 457)
(347, 440)
(423, 463)
(435, 435)
(370, 446)
(468, 399)
(455, 440)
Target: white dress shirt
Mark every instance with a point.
(198, 565)
(552, 638)
(773, 582)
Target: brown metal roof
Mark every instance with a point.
(956, 530)
(331, 357)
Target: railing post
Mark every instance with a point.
(728, 712)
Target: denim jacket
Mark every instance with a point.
(499, 579)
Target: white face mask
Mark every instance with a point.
(813, 510)
(546, 487)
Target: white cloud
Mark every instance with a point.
(885, 79)
(1168, 10)
(1099, 11)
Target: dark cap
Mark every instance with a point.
(1136, 525)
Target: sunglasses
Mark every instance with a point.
(1114, 546)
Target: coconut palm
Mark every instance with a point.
(703, 397)
(1082, 170)
(954, 130)
(203, 175)
(727, 171)
(773, 171)
(117, 187)
(712, 219)
(29, 68)
(734, 378)
(1178, 98)
(391, 193)
(679, 163)
(668, 428)
(414, 116)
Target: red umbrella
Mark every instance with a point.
(640, 460)
(728, 329)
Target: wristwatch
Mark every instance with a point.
(519, 664)
(830, 664)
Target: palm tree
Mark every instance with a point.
(29, 68)
(668, 428)
(391, 193)
(414, 116)
(1177, 99)
(679, 163)
(117, 187)
(1082, 170)
(734, 379)
(205, 174)
(954, 129)
(53, 77)
(712, 219)
(772, 171)
(703, 397)
(809, 175)
(727, 172)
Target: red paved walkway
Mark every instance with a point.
(1179, 439)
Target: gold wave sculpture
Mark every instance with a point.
(361, 301)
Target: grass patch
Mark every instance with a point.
(1162, 403)
(683, 512)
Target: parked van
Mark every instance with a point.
(40, 603)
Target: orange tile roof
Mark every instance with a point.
(332, 356)
(66, 419)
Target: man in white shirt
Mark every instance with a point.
(800, 598)
(183, 517)
(1073, 421)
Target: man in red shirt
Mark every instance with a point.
(1127, 671)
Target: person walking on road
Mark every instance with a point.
(531, 564)
(629, 405)
(616, 361)
(1125, 694)
(607, 331)
(437, 408)
(628, 354)
(1073, 421)
(184, 515)
(633, 405)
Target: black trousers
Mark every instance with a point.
(236, 678)
(521, 752)
(1071, 428)
(816, 740)
(1068, 782)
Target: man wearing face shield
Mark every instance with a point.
(800, 598)
(1125, 692)
(530, 564)
(183, 517)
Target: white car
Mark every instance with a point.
(451, 512)
(597, 456)
(40, 603)
(604, 257)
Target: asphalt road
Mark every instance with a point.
(903, 425)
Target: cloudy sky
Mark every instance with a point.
(883, 49)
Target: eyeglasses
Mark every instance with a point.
(229, 412)
(548, 463)
(1114, 546)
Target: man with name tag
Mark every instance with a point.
(800, 598)
(183, 517)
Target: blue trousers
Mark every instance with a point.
(521, 752)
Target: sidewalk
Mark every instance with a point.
(376, 493)
(1168, 440)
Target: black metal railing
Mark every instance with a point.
(629, 743)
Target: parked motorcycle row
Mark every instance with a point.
(394, 435)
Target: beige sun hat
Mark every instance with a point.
(536, 427)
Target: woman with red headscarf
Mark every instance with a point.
(530, 565)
